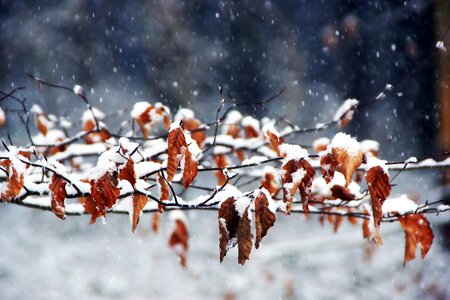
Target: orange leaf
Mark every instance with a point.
(346, 118)
(163, 191)
(328, 164)
(221, 161)
(14, 182)
(128, 173)
(417, 231)
(303, 177)
(193, 124)
(139, 201)
(190, 169)
(269, 183)
(178, 240)
(41, 123)
(104, 193)
(347, 163)
(2, 117)
(379, 189)
(251, 132)
(155, 222)
(176, 146)
(228, 226)
(264, 217)
(245, 237)
(274, 141)
(57, 188)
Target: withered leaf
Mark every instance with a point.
(228, 226)
(379, 189)
(176, 146)
(194, 124)
(104, 194)
(245, 237)
(221, 161)
(341, 192)
(417, 231)
(128, 173)
(14, 182)
(347, 163)
(163, 191)
(291, 184)
(274, 141)
(190, 169)
(57, 188)
(139, 201)
(264, 217)
(269, 183)
(178, 241)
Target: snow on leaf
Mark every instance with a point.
(379, 189)
(57, 188)
(344, 113)
(128, 173)
(179, 239)
(264, 216)
(2, 117)
(14, 180)
(417, 231)
(228, 219)
(297, 174)
(104, 194)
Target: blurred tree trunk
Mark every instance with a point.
(443, 92)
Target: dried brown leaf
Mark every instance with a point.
(178, 241)
(57, 188)
(417, 231)
(264, 217)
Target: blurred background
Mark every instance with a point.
(179, 53)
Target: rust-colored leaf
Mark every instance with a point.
(128, 173)
(245, 237)
(274, 141)
(176, 146)
(155, 221)
(14, 182)
(264, 217)
(190, 169)
(347, 163)
(221, 161)
(228, 226)
(41, 124)
(139, 201)
(57, 188)
(366, 229)
(379, 189)
(178, 241)
(417, 231)
(341, 192)
(2, 117)
(269, 183)
(298, 174)
(163, 191)
(346, 118)
(328, 164)
(104, 194)
(251, 132)
(194, 124)
(234, 130)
